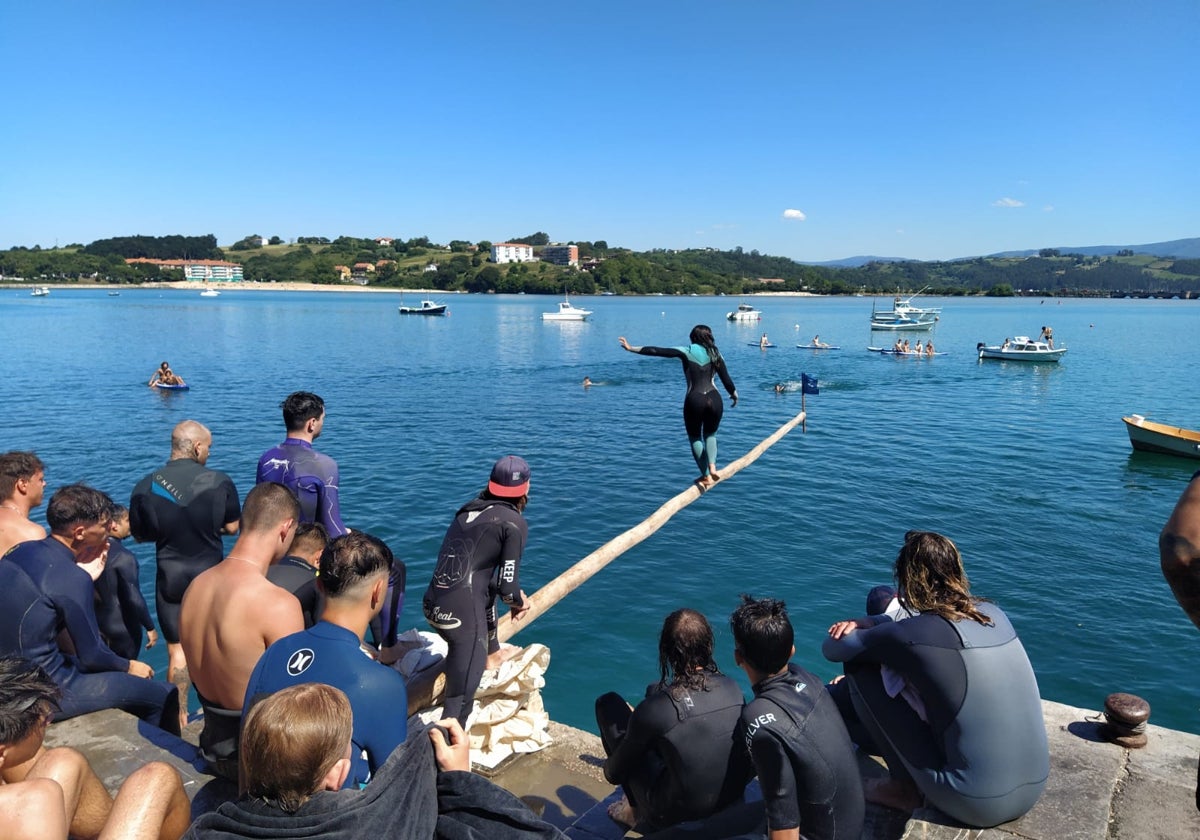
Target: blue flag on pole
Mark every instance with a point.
(808, 384)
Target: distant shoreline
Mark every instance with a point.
(249, 285)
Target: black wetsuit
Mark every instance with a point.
(804, 758)
(981, 754)
(702, 404)
(299, 578)
(678, 758)
(479, 559)
(121, 610)
(182, 507)
(42, 592)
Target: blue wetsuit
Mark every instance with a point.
(121, 611)
(702, 405)
(982, 755)
(312, 476)
(804, 759)
(478, 560)
(330, 654)
(43, 591)
(182, 507)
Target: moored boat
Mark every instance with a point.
(744, 312)
(904, 316)
(427, 307)
(1021, 349)
(1148, 436)
(210, 293)
(39, 291)
(567, 312)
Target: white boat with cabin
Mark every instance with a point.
(567, 312)
(427, 307)
(1021, 349)
(210, 293)
(39, 291)
(904, 316)
(744, 312)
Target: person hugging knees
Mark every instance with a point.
(675, 755)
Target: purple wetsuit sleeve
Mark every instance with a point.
(330, 513)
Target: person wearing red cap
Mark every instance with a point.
(479, 558)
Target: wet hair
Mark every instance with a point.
(17, 465)
(353, 559)
(290, 740)
(27, 694)
(763, 633)
(301, 407)
(702, 334)
(119, 512)
(930, 578)
(77, 504)
(309, 537)
(685, 652)
(267, 505)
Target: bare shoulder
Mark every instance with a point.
(1184, 523)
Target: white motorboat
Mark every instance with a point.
(39, 291)
(904, 316)
(567, 312)
(744, 312)
(210, 293)
(427, 307)
(1148, 436)
(1021, 349)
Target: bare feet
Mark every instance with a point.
(622, 813)
(893, 793)
(495, 660)
(712, 474)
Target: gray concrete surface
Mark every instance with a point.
(1096, 790)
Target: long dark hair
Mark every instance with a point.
(702, 335)
(685, 652)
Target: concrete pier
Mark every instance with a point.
(1097, 791)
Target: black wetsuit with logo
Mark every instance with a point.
(182, 507)
(804, 759)
(478, 560)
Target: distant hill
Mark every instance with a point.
(858, 262)
(1179, 248)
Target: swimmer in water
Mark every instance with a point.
(587, 382)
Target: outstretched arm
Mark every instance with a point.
(1179, 550)
(625, 344)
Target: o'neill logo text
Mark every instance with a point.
(299, 661)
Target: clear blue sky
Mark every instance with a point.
(816, 131)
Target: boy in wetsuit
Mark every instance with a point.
(121, 610)
(794, 732)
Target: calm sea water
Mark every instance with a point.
(1027, 467)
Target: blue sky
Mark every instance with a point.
(816, 131)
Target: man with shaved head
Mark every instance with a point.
(184, 508)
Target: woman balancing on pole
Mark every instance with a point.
(702, 406)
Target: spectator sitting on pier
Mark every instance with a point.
(296, 754)
(675, 755)
(354, 580)
(1179, 554)
(53, 793)
(948, 696)
(22, 486)
(231, 614)
(297, 570)
(46, 586)
(797, 741)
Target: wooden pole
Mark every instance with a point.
(572, 578)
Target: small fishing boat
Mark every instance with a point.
(744, 312)
(904, 316)
(114, 293)
(427, 307)
(39, 291)
(1148, 436)
(1021, 349)
(567, 312)
(210, 293)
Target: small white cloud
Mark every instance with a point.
(1008, 202)
(1049, 208)
(798, 215)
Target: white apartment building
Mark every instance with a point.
(506, 252)
(211, 270)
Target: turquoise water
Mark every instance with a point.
(1027, 467)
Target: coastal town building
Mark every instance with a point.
(507, 252)
(360, 272)
(386, 241)
(202, 270)
(342, 271)
(561, 254)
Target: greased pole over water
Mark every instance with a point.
(568, 581)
